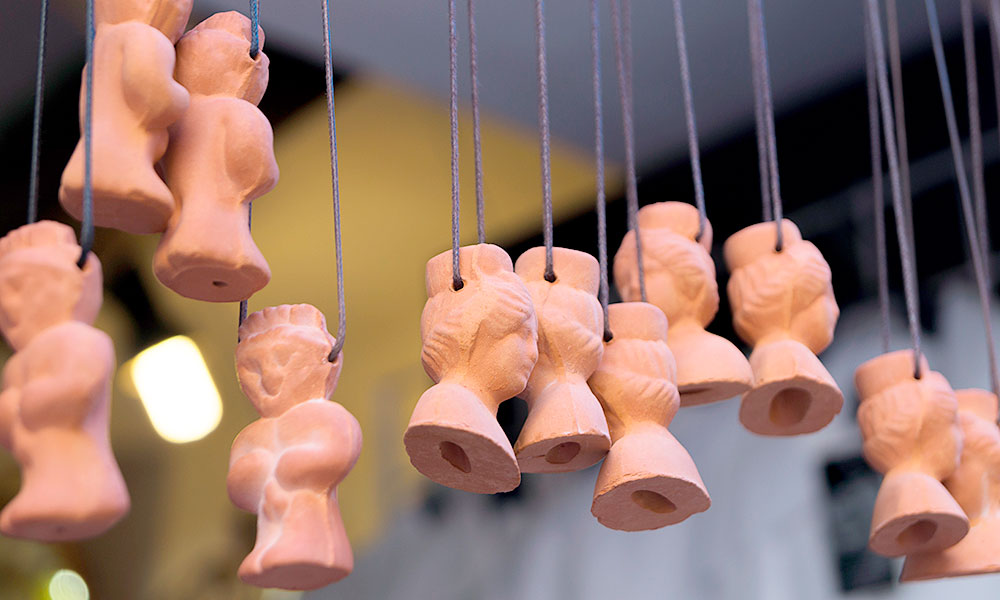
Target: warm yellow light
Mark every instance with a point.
(68, 585)
(177, 390)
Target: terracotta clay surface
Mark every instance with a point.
(135, 100)
(565, 429)
(680, 280)
(286, 466)
(648, 479)
(55, 403)
(911, 434)
(975, 484)
(221, 158)
(783, 305)
(480, 344)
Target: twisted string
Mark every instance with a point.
(762, 90)
(968, 214)
(692, 131)
(602, 219)
(254, 26)
(759, 125)
(477, 141)
(456, 275)
(36, 123)
(981, 215)
(87, 224)
(896, 71)
(881, 256)
(621, 13)
(545, 139)
(335, 182)
(902, 235)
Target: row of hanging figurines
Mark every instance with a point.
(180, 148)
(608, 391)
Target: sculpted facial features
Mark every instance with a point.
(648, 479)
(479, 346)
(680, 280)
(287, 465)
(566, 429)
(135, 101)
(911, 434)
(220, 159)
(55, 399)
(783, 305)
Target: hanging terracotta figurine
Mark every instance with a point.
(287, 465)
(135, 100)
(648, 479)
(783, 305)
(680, 280)
(566, 429)
(480, 345)
(55, 403)
(975, 484)
(911, 434)
(221, 158)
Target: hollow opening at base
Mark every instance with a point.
(563, 453)
(917, 534)
(455, 456)
(789, 406)
(219, 284)
(652, 501)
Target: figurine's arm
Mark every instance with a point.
(248, 143)
(148, 77)
(251, 464)
(321, 440)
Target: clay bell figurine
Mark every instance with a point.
(680, 280)
(480, 343)
(55, 403)
(783, 305)
(135, 100)
(287, 465)
(566, 429)
(911, 434)
(221, 158)
(648, 479)
(975, 484)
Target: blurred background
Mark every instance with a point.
(789, 518)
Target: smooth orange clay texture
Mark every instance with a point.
(135, 100)
(221, 158)
(56, 397)
(287, 465)
(975, 484)
(911, 433)
(480, 344)
(680, 280)
(648, 479)
(565, 429)
(783, 306)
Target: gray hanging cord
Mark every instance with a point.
(87, 225)
(981, 216)
(896, 72)
(254, 26)
(878, 193)
(968, 215)
(620, 13)
(456, 274)
(545, 138)
(36, 123)
(335, 181)
(602, 218)
(699, 187)
(477, 141)
(243, 303)
(909, 261)
(763, 90)
(758, 117)
(975, 134)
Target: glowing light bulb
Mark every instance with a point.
(176, 389)
(68, 585)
